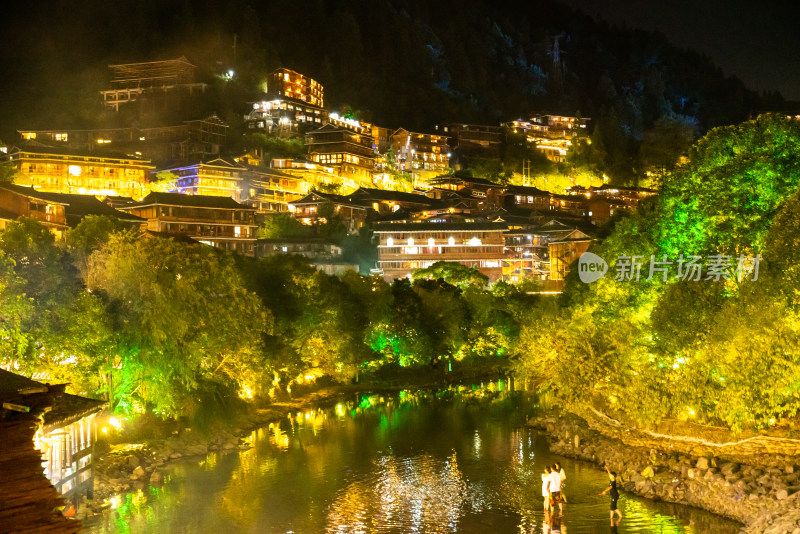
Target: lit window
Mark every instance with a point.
(431, 242)
(74, 170)
(474, 242)
(410, 241)
(451, 241)
(390, 242)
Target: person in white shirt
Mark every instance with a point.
(545, 489)
(554, 487)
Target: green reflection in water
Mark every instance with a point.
(455, 460)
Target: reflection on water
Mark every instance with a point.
(412, 462)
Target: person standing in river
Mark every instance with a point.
(554, 486)
(545, 489)
(563, 475)
(612, 487)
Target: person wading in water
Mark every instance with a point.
(612, 487)
(554, 486)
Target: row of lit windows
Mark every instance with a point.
(86, 159)
(216, 216)
(97, 183)
(531, 200)
(77, 170)
(328, 158)
(464, 235)
(413, 265)
(443, 249)
(451, 241)
(207, 230)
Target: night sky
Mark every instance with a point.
(758, 41)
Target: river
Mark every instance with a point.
(405, 462)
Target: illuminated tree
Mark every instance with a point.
(8, 172)
(89, 235)
(725, 198)
(283, 226)
(182, 317)
(453, 273)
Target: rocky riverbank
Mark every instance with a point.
(765, 498)
(132, 466)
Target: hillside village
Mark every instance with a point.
(404, 191)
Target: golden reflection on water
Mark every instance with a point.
(423, 494)
(394, 464)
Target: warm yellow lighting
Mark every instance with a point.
(410, 241)
(390, 242)
(74, 170)
(115, 502)
(431, 242)
(116, 423)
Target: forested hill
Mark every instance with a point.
(396, 62)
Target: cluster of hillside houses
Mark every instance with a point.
(509, 232)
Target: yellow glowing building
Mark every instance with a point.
(60, 170)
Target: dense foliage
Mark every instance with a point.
(722, 349)
(177, 329)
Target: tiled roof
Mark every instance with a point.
(606, 187)
(76, 206)
(66, 407)
(69, 408)
(35, 147)
(523, 190)
(195, 201)
(180, 238)
(384, 194)
(466, 180)
(215, 162)
(430, 226)
(317, 197)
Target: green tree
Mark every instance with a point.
(664, 144)
(453, 273)
(165, 181)
(184, 322)
(89, 235)
(8, 172)
(782, 251)
(283, 226)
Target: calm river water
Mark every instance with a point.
(407, 462)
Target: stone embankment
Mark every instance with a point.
(764, 497)
(131, 466)
(134, 466)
